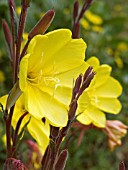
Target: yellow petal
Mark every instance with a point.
(61, 94)
(94, 62)
(19, 110)
(111, 88)
(84, 119)
(3, 100)
(94, 116)
(23, 72)
(102, 74)
(83, 102)
(45, 105)
(110, 105)
(39, 131)
(36, 50)
(55, 52)
(66, 79)
(70, 56)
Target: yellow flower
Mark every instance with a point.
(2, 77)
(96, 28)
(38, 129)
(93, 18)
(18, 10)
(100, 96)
(85, 24)
(4, 139)
(46, 74)
(119, 61)
(122, 46)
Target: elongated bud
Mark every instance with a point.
(12, 163)
(42, 25)
(7, 34)
(72, 110)
(89, 1)
(60, 165)
(75, 10)
(18, 165)
(77, 86)
(26, 3)
(121, 166)
(87, 73)
(12, 4)
(87, 82)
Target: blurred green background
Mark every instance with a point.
(105, 29)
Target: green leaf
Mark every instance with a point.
(15, 93)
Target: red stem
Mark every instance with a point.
(8, 119)
(16, 132)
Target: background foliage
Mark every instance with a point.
(108, 40)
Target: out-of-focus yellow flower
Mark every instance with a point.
(109, 51)
(122, 46)
(25, 38)
(18, 10)
(2, 77)
(118, 8)
(38, 129)
(85, 24)
(100, 96)
(46, 74)
(4, 139)
(115, 130)
(93, 18)
(119, 61)
(96, 28)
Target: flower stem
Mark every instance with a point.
(16, 132)
(8, 119)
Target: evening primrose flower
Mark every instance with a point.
(38, 129)
(100, 96)
(46, 74)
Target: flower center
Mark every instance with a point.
(42, 80)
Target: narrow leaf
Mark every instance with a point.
(14, 95)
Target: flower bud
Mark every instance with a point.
(77, 86)
(115, 130)
(122, 166)
(42, 25)
(7, 34)
(75, 10)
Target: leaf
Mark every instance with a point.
(15, 93)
